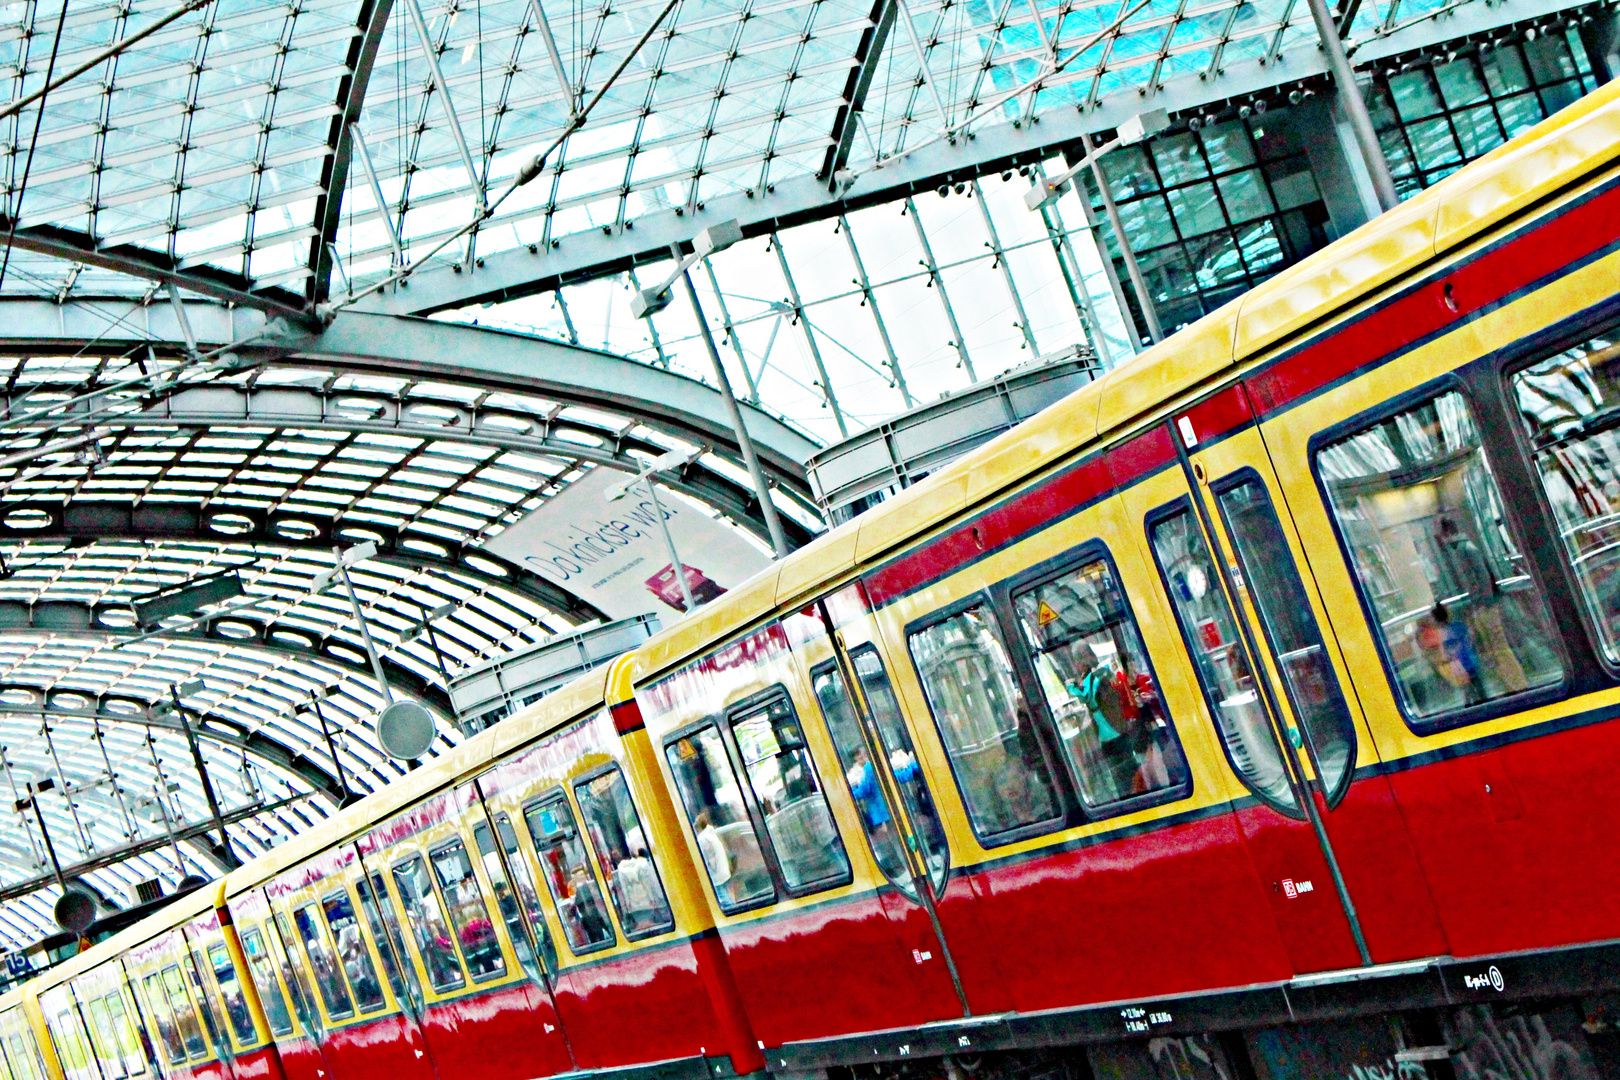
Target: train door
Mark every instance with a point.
(1345, 885)
(880, 768)
(284, 996)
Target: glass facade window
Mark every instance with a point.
(1433, 120)
(1211, 213)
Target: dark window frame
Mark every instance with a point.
(1066, 816)
(551, 796)
(597, 773)
(1246, 474)
(483, 900)
(1071, 560)
(343, 892)
(1448, 382)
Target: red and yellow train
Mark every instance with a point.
(1270, 681)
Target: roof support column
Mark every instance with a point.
(544, 26)
(432, 56)
(1006, 270)
(62, 786)
(809, 335)
(377, 194)
(944, 298)
(731, 332)
(1355, 106)
(1074, 277)
(1138, 283)
(877, 316)
(202, 776)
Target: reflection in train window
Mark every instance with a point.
(860, 775)
(479, 945)
(523, 881)
(76, 1060)
(719, 817)
(781, 775)
(1569, 404)
(327, 977)
(204, 997)
(21, 1058)
(429, 926)
(624, 854)
(1460, 618)
(264, 980)
(352, 953)
(123, 1029)
(568, 875)
(986, 726)
(158, 1005)
(230, 989)
(385, 932)
(104, 1041)
(185, 1017)
(293, 974)
(1211, 633)
(1094, 675)
(1273, 586)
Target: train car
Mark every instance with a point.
(496, 915)
(1269, 677)
(22, 1055)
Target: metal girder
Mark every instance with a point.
(195, 833)
(200, 280)
(213, 728)
(363, 48)
(847, 120)
(509, 429)
(589, 254)
(72, 618)
(432, 350)
(230, 524)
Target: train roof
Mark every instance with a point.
(1560, 151)
(182, 910)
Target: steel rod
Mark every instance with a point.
(365, 631)
(1355, 106)
(1138, 283)
(202, 775)
(377, 193)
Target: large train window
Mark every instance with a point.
(123, 1029)
(185, 1015)
(230, 991)
(1211, 634)
(862, 778)
(157, 1003)
(528, 895)
(480, 947)
(809, 852)
(103, 1039)
(204, 997)
(385, 932)
(1095, 678)
(1569, 404)
(985, 724)
(567, 870)
(328, 980)
(22, 1061)
(292, 972)
(352, 953)
(1460, 619)
(75, 1052)
(730, 847)
(623, 853)
(424, 914)
(262, 968)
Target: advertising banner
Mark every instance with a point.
(613, 555)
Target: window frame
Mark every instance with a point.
(1066, 816)
(597, 773)
(341, 891)
(547, 797)
(1520, 356)
(497, 927)
(256, 929)
(1081, 555)
(1448, 382)
(404, 855)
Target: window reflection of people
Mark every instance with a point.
(640, 898)
(588, 908)
(715, 856)
(1466, 638)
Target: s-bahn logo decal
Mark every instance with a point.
(1491, 979)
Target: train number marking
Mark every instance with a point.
(1292, 888)
(1491, 979)
(919, 955)
(1138, 1020)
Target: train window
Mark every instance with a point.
(76, 1059)
(1569, 404)
(424, 914)
(1211, 632)
(859, 774)
(264, 980)
(1272, 582)
(479, 945)
(292, 972)
(988, 731)
(352, 953)
(808, 849)
(1459, 617)
(385, 931)
(328, 979)
(103, 1039)
(168, 1033)
(1095, 677)
(185, 1016)
(17, 1056)
(506, 902)
(725, 833)
(204, 999)
(568, 875)
(622, 851)
(123, 1030)
(230, 992)
(523, 880)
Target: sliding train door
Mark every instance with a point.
(1323, 828)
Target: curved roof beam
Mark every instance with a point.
(66, 617)
(440, 351)
(351, 96)
(293, 530)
